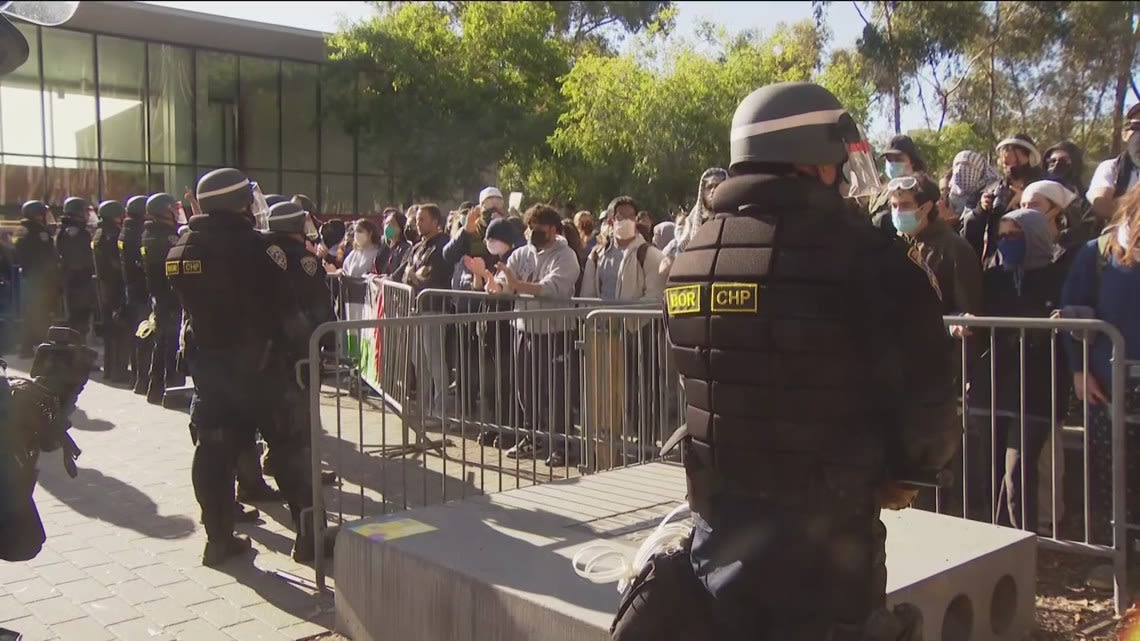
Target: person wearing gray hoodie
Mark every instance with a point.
(546, 269)
(1026, 282)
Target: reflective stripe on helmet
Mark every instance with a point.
(224, 190)
(824, 117)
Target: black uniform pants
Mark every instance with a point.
(223, 414)
(287, 435)
(38, 299)
(163, 368)
(141, 349)
(117, 344)
(79, 296)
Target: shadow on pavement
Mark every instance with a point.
(99, 496)
(81, 421)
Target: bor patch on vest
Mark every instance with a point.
(172, 268)
(733, 298)
(120, 245)
(685, 299)
(142, 250)
(191, 267)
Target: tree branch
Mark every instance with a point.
(860, 12)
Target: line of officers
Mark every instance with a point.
(127, 287)
(229, 297)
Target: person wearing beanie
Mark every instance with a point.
(1054, 200)
(1020, 164)
(1115, 176)
(491, 200)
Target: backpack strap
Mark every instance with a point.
(642, 250)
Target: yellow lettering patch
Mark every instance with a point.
(172, 268)
(142, 250)
(120, 245)
(685, 299)
(733, 298)
(191, 267)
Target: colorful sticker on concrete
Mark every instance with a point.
(392, 530)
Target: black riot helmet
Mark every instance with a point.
(33, 209)
(136, 207)
(111, 210)
(13, 45)
(306, 203)
(290, 218)
(75, 208)
(161, 206)
(274, 199)
(224, 191)
(800, 123)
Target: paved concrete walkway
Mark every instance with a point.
(123, 553)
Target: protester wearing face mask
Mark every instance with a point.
(362, 260)
(1021, 165)
(547, 269)
(1116, 176)
(398, 246)
(914, 213)
(1053, 199)
(1024, 282)
(1064, 163)
(970, 175)
(900, 159)
(700, 213)
(626, 270)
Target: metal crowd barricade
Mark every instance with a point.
(989, 428)
(598, 385)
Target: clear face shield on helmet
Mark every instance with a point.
(259, 208)
(860, 170)
(44, 14)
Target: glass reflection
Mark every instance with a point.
(122, 73)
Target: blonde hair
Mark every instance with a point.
(1127, 213)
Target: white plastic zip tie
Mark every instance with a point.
(588, 562)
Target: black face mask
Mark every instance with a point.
(1020, 172)
(539, 237)
(1134, 148)
(1060, 169)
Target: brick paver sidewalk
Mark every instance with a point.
(123, 553)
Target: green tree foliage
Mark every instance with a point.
(649, 122)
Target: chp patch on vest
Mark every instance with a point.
(723, 298)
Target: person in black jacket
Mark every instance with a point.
(137, 296)
(159, 235)
(73, 242)
(1026, 282)
(112, 293)
(40, 276)
(1021, 165)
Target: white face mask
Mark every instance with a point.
(497, 247)
(625, 229)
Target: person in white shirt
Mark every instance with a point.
(1115, 176)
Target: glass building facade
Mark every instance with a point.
(105, 117)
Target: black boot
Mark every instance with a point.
(218, 552)
(303, 551)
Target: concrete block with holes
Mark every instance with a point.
(497, 567)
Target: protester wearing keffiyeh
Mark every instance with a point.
(972, 174)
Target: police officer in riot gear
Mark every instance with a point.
(231, 283)
(73, 242)
(40, 276)
(137, 296)
(159, 235)
(112, 294)
(818, 379)
(290, 226)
